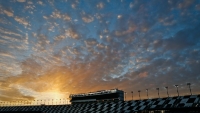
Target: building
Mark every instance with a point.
(103, 95)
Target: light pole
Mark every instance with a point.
(158, 92)
(139, 93)
(167, 91)
(147, 93)
(132, 94)
(189, 88)
(177, 89)
(125, 96)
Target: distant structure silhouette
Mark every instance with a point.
(103, 95)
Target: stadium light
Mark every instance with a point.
(139, 93)
(132, 94)
(147, 93)
(167, 91)
(158, 92)
(189, 88)
(177, 89)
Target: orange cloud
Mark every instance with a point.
(143, 74)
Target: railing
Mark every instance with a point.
(36, 102)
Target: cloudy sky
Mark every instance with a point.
(50, 48)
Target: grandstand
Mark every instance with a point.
(179, 104)
(103, 95)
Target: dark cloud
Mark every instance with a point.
(181, 40)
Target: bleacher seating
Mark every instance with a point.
(113, 106)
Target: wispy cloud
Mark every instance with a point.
(21, 21)
(8, 13)
(6, 54)
(9, 32)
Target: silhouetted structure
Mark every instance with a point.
(179, 104)
(103, 95)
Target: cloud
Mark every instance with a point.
(7, 55)
(14, 40)
(4, 21)
(21, 0)
(119, 16)
(42, 43)
(72, 33)
(73, 6)
(14, 95)
(10, 38)
(87, 18)
(31, 66)
(61, 37)
(185, 4)
(66, 17)
(9, 65)
(9, 32)
(100, 5)
(8, 13)
(168, 21)
(197, 7)
(131, 5)
(75, 51)
(40, 2)
(21, 21)
(128, 31)
(19, 47)
(30, 2)
(183, 39)
(58, 15)
(3, 41)
(90, 42)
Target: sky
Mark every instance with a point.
(52, 48)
